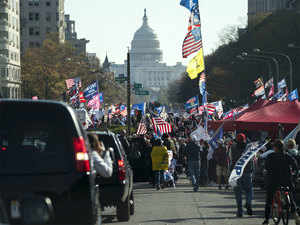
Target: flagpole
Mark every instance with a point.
(128, 93)
(205, 92)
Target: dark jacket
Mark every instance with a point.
(237, 149)
(203, 155)
(221, 157)
(278, 166)
(193, 152)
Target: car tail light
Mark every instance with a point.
(81, 155)
(3, 148)
(122, 170)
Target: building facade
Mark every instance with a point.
(259, 7)
(71, 37)
(39, 18)
(10, 65)
(146, 64)
(94, 61)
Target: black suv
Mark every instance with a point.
(118, 189)
(45, 171)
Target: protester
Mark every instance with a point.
(279, 173)
(221, 157)
(244, 184)
(101, 157)
(194, 162)
(160, 162)
(204, 163)
(291, 148)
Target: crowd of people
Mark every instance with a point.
(207, 167)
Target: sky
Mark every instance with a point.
(110, 25)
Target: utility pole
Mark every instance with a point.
(128, 93)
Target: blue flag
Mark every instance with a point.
(140, 106)
(191, 103)
(101, 97)
(293, 95)
(189, 4)
(282, 84)
(91, 91)
(217, 136)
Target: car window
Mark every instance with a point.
(34, 145)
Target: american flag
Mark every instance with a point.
(190, 45)
(209, 107)
(142, 129)
(160, 126)
(73, 81)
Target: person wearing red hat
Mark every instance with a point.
(244, 184)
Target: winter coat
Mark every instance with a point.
(221, 157)
(160, 158)
(193, 152)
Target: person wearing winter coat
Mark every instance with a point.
(160, 161)
(100, 157)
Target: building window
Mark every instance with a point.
(31, 30)
(48, 30)
(31, 16)
(48, 17)
(31, 44)
(37, 44)
(37, 2)
(37, 16)
(48, 3)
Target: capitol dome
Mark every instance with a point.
(145, 47)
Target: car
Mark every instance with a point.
(117, 191)
(46, 175)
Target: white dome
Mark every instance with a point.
(145, 47)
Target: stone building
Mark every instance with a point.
(146, 63)
(10, 65)
(258, 9)
(93, 61)
(39, 18)
(71, 36)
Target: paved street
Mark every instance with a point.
(179, 206)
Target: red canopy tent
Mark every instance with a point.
(265, 116)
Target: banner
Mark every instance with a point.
(91, 90)
(293, 133)
(200, 133)
(240, 165)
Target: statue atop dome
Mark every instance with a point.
(145, 19)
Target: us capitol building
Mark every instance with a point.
(146, 64)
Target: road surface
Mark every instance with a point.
(208, 206)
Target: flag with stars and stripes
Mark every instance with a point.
(161, 126)
(142, 129)
(190, 45)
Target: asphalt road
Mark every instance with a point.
(208, 206)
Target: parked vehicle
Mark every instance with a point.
(117, 191)
(45, 171)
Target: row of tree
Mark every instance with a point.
(231, 79)
(45, 69)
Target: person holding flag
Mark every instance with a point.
(244, 184)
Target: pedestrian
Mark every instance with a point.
(221, 157)
(204, 163)
(100, 157)
(244, 184)
(194, 162)
(280, 166)
(160, 162)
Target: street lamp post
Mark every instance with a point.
(258, 60)
(282, 55)
(267, 58)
